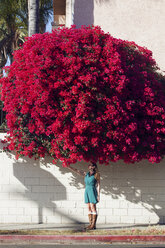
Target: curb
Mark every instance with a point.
(103, 238)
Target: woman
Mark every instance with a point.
(92, 191)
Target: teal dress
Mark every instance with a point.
(90, 189)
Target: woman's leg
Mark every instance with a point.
(89, 215)
(93, 207)
(89, 207)
(94, 216)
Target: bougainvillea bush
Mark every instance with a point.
(81, 94)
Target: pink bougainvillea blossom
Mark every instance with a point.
(81, 94)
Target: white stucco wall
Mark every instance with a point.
(134, 20)
(30, 192)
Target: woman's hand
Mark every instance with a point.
(79, 172)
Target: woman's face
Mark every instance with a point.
(91, 168)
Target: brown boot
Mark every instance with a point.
(93, 226)
(90, 216)
(95, 222)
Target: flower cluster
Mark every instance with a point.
(81, 94)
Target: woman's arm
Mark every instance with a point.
(79, 172)
(98, 189)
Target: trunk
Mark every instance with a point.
(11, 58)
(33, 12)
(3, 61)
(1, 72)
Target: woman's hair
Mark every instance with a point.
(97, 174)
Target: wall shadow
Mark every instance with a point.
(34, 179)
(83, 13)
(43, 192)
(41, 187)
(140, 183)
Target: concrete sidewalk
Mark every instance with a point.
(60, 227)
(89, 238)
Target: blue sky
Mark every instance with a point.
(49, 26)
